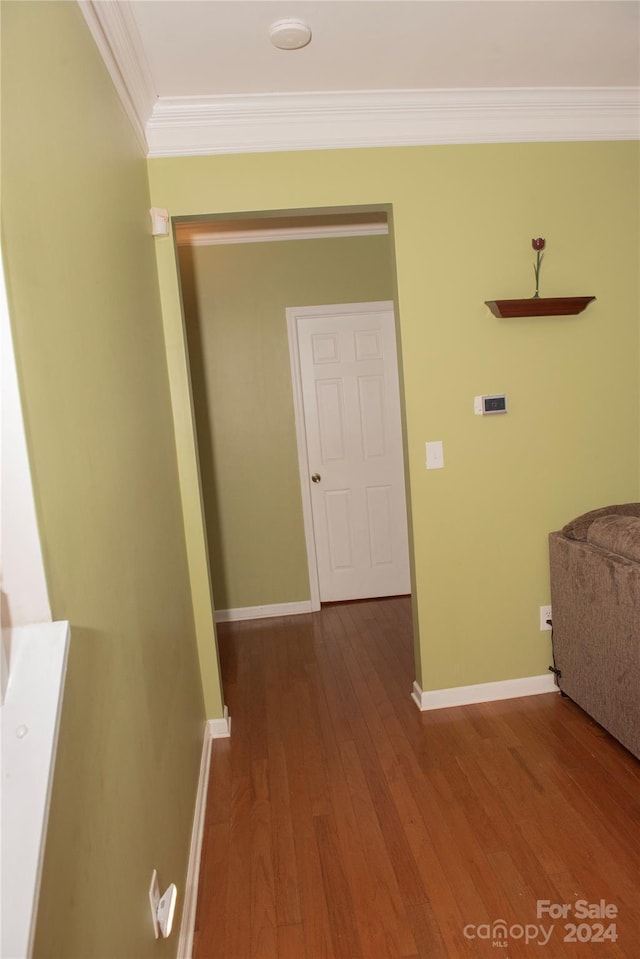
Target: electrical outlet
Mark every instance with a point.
(545, 614)
(154, 899)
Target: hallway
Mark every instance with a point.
(342, 823)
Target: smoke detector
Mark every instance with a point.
(289, 34)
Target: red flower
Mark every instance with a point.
(538, 244)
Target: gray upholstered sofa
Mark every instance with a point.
(595, 598)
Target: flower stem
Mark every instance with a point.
(536, 270)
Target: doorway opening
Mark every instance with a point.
(239, 276)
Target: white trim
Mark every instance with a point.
(292, 314)
(264, 612)
(417, 694)
(187, 925)
(236, 123)
(25, 597)
(30, 726)
(220, 728)
(184, 238)
(212, 730)
(240, 123)
(115, 33)
(482, 692)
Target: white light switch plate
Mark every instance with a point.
(435, 455)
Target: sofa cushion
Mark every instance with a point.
(618, 534)
(578, 527)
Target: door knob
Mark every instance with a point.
(315, 477)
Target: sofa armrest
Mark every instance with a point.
(595, 595)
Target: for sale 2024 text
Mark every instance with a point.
(588, 921)
(583, 922)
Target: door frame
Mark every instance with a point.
(293, 313)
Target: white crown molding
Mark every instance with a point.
(195, 126)
(224, 237)
(181, 126)
(115, 33)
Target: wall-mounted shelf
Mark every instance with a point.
(540, 306)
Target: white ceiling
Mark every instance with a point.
(213, 47)
(201, 76)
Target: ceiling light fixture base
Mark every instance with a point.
(289, 34)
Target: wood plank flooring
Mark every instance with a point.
(342, 823)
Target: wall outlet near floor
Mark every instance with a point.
(545, 614)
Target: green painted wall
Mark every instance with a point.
(463, 220)
(84, 302)
(234, 301)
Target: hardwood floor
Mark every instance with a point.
(343, 823)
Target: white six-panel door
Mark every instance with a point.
(351, 407)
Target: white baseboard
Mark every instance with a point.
(263, 612)
(220, 728)
(214, 729)
(482, 692)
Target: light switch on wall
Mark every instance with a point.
(435, 455)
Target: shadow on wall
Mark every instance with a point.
(5, 611)
(193, 327)
(5, 663)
